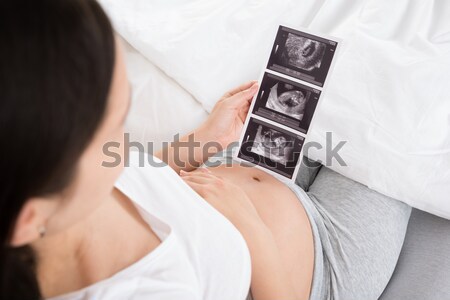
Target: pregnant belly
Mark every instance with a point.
(284, 215)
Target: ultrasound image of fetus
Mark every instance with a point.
(285, 99)
(303, 53)
(273, 145)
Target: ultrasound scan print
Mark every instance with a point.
(291, 102)
(303, 53)
(273, 145)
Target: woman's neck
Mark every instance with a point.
(113, 237)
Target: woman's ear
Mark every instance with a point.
(31, 222)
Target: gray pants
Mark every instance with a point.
(358, 234)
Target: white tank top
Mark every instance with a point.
(201, 255)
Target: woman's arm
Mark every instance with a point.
(223, 126)
(190, 151)
(270, 280)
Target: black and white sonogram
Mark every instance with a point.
(302, 55)
(271, 147)
(287, 102)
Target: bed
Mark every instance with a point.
(388, 97)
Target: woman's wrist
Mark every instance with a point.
(191, 150)
(208, 138)
(207, 143)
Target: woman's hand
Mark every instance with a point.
(225, 123)
(223, 126)
(229, 199)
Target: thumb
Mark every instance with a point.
(243, 97)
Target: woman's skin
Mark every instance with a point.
(285, 217)
(90, 225)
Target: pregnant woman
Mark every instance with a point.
(73, 228)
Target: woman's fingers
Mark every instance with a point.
(204, 176)
(205, 180)
(204, 170)
(242, 98)
(198, 172)
(203, 183)
(240, 88)
(239, 96)
(197, 187)
(198, 179)
(243, 113)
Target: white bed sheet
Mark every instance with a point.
(388, 96)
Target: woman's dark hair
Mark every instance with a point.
(56, 67)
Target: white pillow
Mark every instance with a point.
(160, 107)
(388, 95)
(207, 46)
